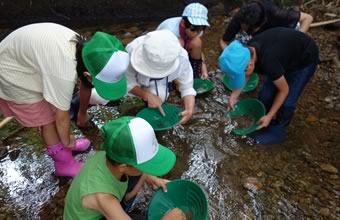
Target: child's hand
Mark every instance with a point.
(174, 214)
(156, 182)
(204, 73)
(264, 122)
(231, 103)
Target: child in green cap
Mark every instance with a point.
(130, 149)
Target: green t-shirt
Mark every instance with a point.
(94, 177)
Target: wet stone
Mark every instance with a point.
(127, 40)
(60, 194)
(324, 212)
(259, 174)
(323, 195)
(337, 107)
(337, 80)
(328, 99)
(324, 121)
(268, 217)
(132, 29)
(330, 106)
(312, 191)
(328, 168)
(306, 209)
(252, 184)
(311, 119)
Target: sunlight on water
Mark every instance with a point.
(27, 185)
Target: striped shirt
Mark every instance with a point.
(38, 62)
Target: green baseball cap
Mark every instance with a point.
(131, 140)
(106, 59)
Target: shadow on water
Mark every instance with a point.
(295, 180)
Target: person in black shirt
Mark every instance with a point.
(259, 15)
(288, 63)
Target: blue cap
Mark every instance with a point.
(233, 63)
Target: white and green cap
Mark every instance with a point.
(106, 59)
(132, 140)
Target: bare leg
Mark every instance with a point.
(196, 52)
(49, 134)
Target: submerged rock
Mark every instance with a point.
(252, 184)
(324, 212)
(328, 168)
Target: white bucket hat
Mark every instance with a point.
(158, 55)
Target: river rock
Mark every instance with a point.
(324, 121)
(324, 211)
(306, 209)
(337, 79)
(337, 107)
(127, 40)
(132, 29)
(328, 99)
(252, 184)
(334, 177)
(328, 168)
(311, 119)
(330, 105)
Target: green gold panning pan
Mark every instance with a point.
(157, 120)
(183, 194)
(251, 108)
(203, 85)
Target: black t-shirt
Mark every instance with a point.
(283, 50)
(274, 17)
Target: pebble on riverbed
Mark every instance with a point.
(252, 184)
(328, 168)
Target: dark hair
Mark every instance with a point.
(113, 162)
(192, 27)
(252, 16)
(80, 40)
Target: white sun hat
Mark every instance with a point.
(158, 55)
